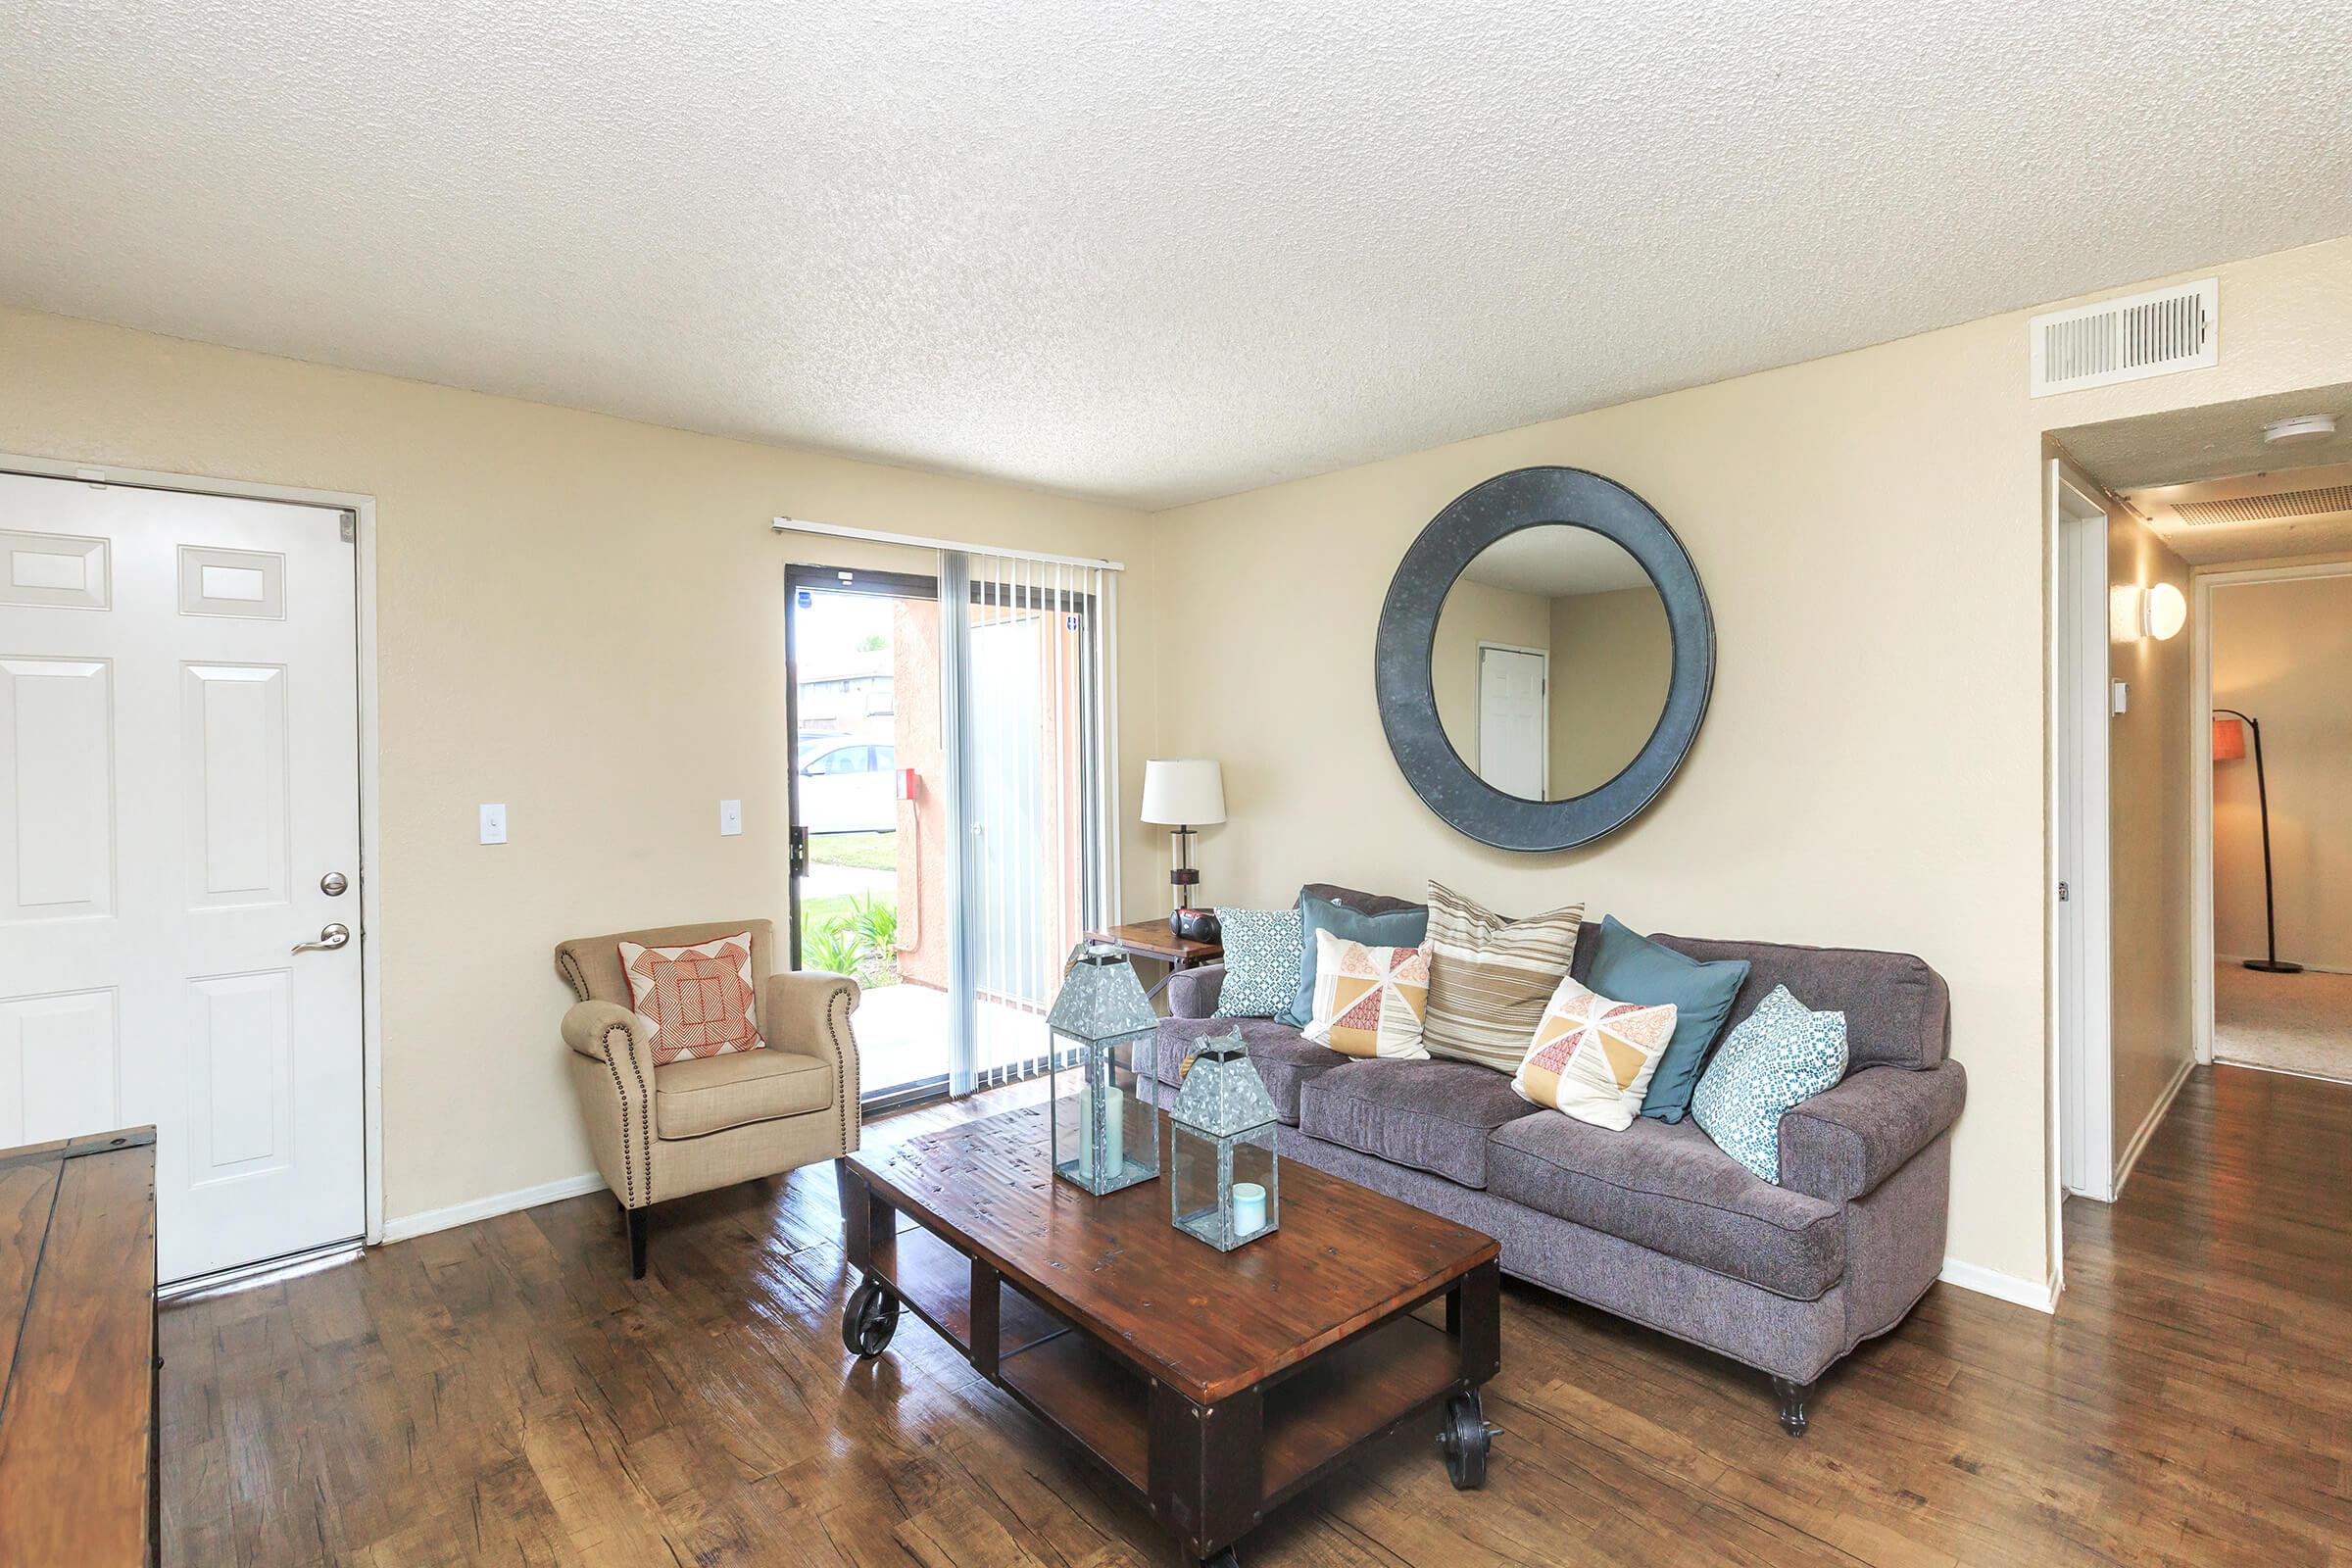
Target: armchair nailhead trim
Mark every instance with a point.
(621, 1033)
(844, 1109)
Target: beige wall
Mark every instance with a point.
(1872, 769)
(1869, 528)
(1476, 612)
(580, 616)
(2283, 651)
(2150, 839)
(1612, 659)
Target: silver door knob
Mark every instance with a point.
(329, 939)
(335, 884)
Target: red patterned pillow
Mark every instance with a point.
(694, 1002)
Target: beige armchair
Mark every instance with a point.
(665, 1132)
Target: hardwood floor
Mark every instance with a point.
(504, 1393)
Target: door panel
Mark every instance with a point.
(178, 708)
(1511, 721)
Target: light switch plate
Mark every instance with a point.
(2121, 693)
(494, 824)
(730, 818)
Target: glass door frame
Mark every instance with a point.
(800, 578)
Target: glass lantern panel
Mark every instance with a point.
(1223, 1190)
(1104, 1135)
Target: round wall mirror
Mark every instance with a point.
(1544, 657)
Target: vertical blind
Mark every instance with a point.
(1029, 715)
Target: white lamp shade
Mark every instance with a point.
(1187, 791)
(2164, 610)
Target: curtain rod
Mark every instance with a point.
(837, 530)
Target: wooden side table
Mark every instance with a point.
(1152, 938)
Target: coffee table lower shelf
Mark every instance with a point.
(1207, 1472)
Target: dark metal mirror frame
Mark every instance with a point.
(1535, 498)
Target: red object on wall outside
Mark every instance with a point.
(906, 783)
(2228, 740)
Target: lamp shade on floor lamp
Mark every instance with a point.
(2228, 740)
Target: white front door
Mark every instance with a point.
(178, 786)
(1513, 734)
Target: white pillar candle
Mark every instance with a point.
(1249, 1208)
(1115, 1131)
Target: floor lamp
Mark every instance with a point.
(2229, 746)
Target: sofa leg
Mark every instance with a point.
(1791, 1397)
(637, 1229)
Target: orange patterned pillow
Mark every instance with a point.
(1368, 1001)
(1592, 1057)
(694, 1002)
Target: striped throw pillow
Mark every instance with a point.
(1491, 977)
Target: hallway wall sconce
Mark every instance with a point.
(2163, 611)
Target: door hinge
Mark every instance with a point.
(798, 841)
(2065, 893)
(351, 528)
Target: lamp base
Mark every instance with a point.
(2274, 967)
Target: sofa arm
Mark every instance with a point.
(809, 1010)
(1838, 1145)
(1192, 993)
(614, 1071)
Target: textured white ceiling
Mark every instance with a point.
(1557, 562)
(1151, 253)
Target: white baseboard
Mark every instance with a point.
(2147, 1128)
(409, 1226)
(2003, 1287)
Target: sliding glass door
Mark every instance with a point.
(949, 794)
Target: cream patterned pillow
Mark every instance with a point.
(1368, 1001)
(1593, 1058)
(1489, 977)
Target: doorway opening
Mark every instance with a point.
(2226, 641)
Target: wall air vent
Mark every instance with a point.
(2126, 339)
(2267, 509)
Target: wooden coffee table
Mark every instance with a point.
(1212, 1385)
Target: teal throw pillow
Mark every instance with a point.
(1399, 928)
(1780, 1056)
(1262, 961)
(1628, 967)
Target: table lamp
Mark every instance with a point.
(1185, 793)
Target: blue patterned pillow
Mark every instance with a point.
(1264, 950)
(1779, 1056)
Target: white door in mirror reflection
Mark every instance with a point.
(1551, 662)
(1514, 742)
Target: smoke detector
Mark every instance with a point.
(2299, 427)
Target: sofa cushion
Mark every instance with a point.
(1630, 967)
(1284, 1057)
(1667, 1186)
(1344, 915)
(700, 1095)
(1897, 1010)
(1432, 1115)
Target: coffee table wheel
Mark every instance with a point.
(1464, 1440)
(869, 1319)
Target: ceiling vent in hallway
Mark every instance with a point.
(2126, 339)
(2288, 495)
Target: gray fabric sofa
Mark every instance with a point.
(1655, 1223)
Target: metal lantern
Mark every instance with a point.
(1223, 1179)
(1104, 1135)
